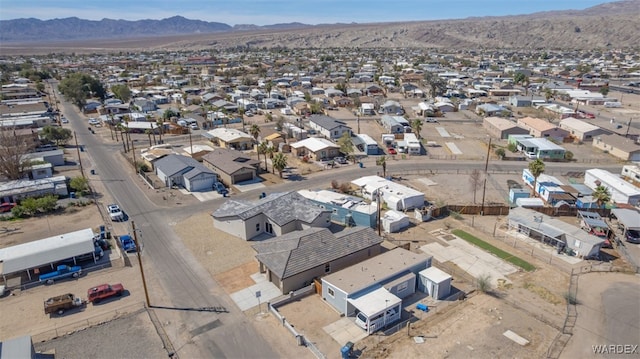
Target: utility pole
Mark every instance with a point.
(79, 158)
(626, 135)
(486, 168)
(191, 142)
(144, 282)
(379, 210)
(133, 152)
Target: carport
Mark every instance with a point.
(45, 251)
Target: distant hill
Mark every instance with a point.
(73, 28)
(609, 25)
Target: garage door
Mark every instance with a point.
(242, 177)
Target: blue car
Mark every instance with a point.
(220, 188)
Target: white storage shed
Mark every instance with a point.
(435, 282)
(394, 221)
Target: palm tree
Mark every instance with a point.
(262, 150)
(254, 131)
(148, 133)
(279, 162)
(382, 161)
(269, 152)
(601, 195)
(416, 125)
(536, 168)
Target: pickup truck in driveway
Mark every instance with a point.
(61, 303)
(62, 272)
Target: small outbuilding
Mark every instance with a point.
(435, 282)
(394, 221)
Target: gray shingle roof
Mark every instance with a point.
(326, 122)
(281, 208)
(230, 161)
(174, 164)
(299, 251)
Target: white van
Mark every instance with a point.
(612, 104)
(377, 321)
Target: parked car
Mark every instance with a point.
(93, 121)
(220, 188)
(64, 120)
(60, 303)
(194, 126)
(127, 243)
(7, 206)
(115, 213)
(392, 151)
(340, 160)
(104, 291)
(431, 120)
(633, 236)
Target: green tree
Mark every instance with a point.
(604, 90)
(438, 86)
(48, 203)
(30, 206)
(416, 126)
(346, 146)
(262, 150)
(520, 78)
(254, 131)
(500, 152)
(122, 92)
(78, 87)
(79, 184)
(602, 195)
(58, 135)
(536, 168)
(382, 161)
(279, 162)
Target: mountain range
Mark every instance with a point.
(609, 25)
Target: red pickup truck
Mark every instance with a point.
(104, 291)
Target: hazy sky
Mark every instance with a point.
(265, 12)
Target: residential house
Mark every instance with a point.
(183, 171)
(525, 101)
(315, 148)
(273, 215)
(621, 191)
(231, 166)
(395, 124)
(498, 127)
(230, 138)
(542, 128)
(391, 107)
(490, 109)
(16, 190)
(549, 189)
(328, 127)
(618, 146)
(554, 232)
(346, 210)
(375, 286)
(143, 105)
(342, 101)
(540, 148)
(394, 195)
(581, 130)
(294, 260)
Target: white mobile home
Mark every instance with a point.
(621, 190)
(395, 195)
(413, 145)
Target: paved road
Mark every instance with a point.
(184, 280)
(187, 284)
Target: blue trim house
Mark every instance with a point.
(346, 210)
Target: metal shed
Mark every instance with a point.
(435, 282)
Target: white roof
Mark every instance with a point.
(228, 134)
(37, 253)
(435, 275)
(354, 204)
(612, 180)
(530, 202)
(314, 144)
(375, 302)
(372, 183)
(574, 123)
(198, 148)
(393, 216)
(141, 125)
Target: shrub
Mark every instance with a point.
(512, 147)
(345, 187)
(483, 283)
(500, 152)
(335, 184)
(568, 155)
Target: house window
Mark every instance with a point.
(327, 268)
(331, 293)
(257, 227)
(268, 227)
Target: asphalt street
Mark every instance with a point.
(186, 283)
